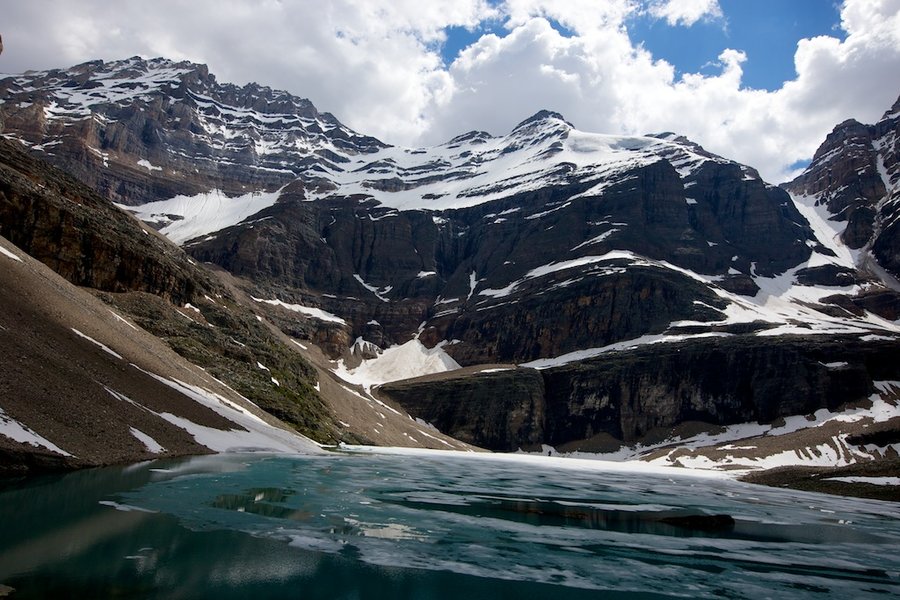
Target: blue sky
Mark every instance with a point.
(758, 81)
(767, 31)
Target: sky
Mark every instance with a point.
(758, 81)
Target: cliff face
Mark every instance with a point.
(630, 396)
(535, 274)
(855, 175)
(83, 237)
(529, 245)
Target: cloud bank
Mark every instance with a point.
(377, 65)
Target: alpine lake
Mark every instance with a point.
(371, 526)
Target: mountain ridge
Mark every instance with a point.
(546, 247)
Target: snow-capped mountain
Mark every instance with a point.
(853, 183)
(142, 130)
(559, 250)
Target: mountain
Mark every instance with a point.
(152, 354)
(853, 182)
(82, 385)
(555, 287)
(139, 130)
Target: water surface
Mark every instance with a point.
(373, 526)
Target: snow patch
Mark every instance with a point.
(189, 217)
(9, 254)
(473, 283)
(402, 361)
(251, 432)
(869, 480)
(379, 292)
(146, 164)
(580, 355)
(14, 430)
(152, 445)
(316, 313)
(103, 347)
(595, 240)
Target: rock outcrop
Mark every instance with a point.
(91, 243)
(480, 238)
(82, 386)
(83, 237)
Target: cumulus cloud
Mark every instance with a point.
(376, 65)
(685, 12)
(602, 82)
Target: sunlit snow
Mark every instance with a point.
(201, 214)
(152, 445)
(250, 432)
(103, 347)
(403, 361)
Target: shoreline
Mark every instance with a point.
(822, 480)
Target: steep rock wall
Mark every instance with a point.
(627, 395)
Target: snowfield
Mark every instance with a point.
(403, 361)
(184, 218)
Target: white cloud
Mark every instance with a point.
(376, 65)
(581, 16)
(685, 12)
(601, 82)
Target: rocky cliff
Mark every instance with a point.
(644, 394)
(91, 243)
(479, 238)
(855, 177)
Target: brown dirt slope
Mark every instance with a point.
(57, 383)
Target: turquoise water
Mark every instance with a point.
(370, 526)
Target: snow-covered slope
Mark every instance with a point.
(622, 203)
(470, 170)
(411, 359)
(540, 152)
(187, 217)
(150, 130)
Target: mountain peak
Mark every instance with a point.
(893, 112)
(542, 115)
